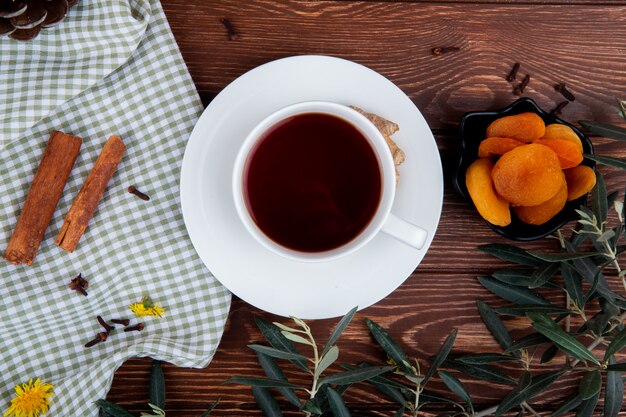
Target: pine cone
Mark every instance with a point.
(22, 20)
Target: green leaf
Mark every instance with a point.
(273, 371)
(482, 372)
(544, 325)
(341, 326)
(113, 409)
(573, 284)
(515, 397)
(441, 355)
(400, 412)
(568, 405)
(433, 398)
(587, 407)
(590, 384)
(266, 402)
(275, 353)
(617, 367)
(562, 256)
(543, 274)
(529, 340)
(337, 406)
(355, 375)
(519, 277)
(599, 204)
(536, 386)
(494, 324)
(157, 385)
(621, 104)
(517, 295)
(261, 382)
(618, 341)
(457, 387)
(311, 407)
(287, 328)
(296, 338)
(483, 358)
(604, 129)
(275, 338)
(607, 161)
(328, 359)
(390, 346)
(549, 354)
(522, 310)
(510, 253)
(209, 410)
(587, 269)
(613, 393)
(391, 392)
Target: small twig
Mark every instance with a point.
(530, 409)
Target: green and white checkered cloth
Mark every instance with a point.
(112, 67)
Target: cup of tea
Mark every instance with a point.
(315, 181)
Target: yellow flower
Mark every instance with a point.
(31, 399)
(147, 308)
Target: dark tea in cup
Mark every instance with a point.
(312, 182)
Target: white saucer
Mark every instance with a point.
(253, 273)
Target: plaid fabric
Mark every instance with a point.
(112, 68)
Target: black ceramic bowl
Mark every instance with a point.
(472, 132)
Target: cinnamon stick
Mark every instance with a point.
(88, 197)
(43, 196)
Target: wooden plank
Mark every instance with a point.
(582, 46)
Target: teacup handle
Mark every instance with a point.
(404, 231)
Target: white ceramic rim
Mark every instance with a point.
(309, 290)
(385, 163)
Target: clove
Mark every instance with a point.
(232, 33)
(100, 337)
(444, 49)
(133, 190)
(107, 327)
(79, 284)
(520, 88)
(513, 74)
(123, 322)
(559, 108)
(137, 327)
(561, 88)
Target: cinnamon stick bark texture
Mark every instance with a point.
(45, 192)
(88, 197)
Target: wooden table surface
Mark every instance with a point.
(579, 42)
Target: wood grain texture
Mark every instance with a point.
(581, 45)
(553, 44)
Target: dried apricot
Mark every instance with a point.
(580, 180)
(528, 175)
(568, 152)
(545, 211)
(491, 147)
(480, 187)
(559, 131)
(525, 127)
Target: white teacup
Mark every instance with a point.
(382, 221)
